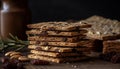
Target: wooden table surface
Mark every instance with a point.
(91, 64)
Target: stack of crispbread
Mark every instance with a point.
(59, 41)
(111, 43)
(111, 46)
(106, 30)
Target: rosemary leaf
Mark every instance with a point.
(20, 48)
(12, 43)
(12, 37)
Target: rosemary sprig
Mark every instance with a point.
(13, 43)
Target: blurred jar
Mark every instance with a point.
(0, 20)
(15, 15)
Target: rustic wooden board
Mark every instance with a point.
(92, 64)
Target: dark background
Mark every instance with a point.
(60, 10)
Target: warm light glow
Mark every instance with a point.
(5, 6)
